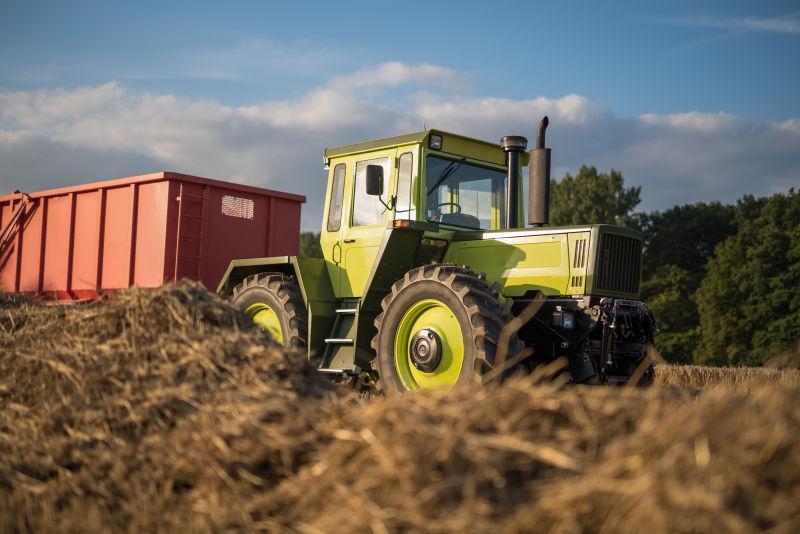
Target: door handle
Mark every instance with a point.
(350, 240)
(336, 246)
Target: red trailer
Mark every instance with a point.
(78, 243)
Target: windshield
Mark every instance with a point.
(464, 194)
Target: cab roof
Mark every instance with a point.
(398, 140)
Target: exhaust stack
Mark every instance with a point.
(539, 180)
(513, 146)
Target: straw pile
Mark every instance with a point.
(108, 410)
(164, 410)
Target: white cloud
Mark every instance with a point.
(50, 138)
(486, 115)
(36, 109)
(29, 162)
(691, 121)
(789, 24)
(395, 73)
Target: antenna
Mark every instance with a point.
(419, 115)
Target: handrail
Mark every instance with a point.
(5, 235)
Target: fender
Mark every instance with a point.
(313, 279)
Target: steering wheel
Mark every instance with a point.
(454, 204)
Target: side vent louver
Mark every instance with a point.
(579, 261)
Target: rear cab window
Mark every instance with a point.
(337, 199)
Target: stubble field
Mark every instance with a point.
(163, 410)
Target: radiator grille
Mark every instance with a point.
(619, 262)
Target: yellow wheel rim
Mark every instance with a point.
(433, 315)
(266, 319)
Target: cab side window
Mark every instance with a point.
(337, 199)
(367, 209)
(405, 196)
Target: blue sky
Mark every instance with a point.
(627, 81)
(634, 57)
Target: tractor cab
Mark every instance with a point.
(434, 176)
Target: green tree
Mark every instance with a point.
(678, 244)
(748, 302)
(670, 295)
(309, 245)
(685, 236)
(590, 197)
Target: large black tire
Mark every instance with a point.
(474, 303)
(282, 294)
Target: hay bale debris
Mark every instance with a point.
(165, 410)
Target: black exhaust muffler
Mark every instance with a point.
(539, 180)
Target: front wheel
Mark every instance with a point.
(439, 328)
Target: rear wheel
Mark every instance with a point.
(439, 328)
(274, 302)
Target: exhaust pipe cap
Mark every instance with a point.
(540, 133)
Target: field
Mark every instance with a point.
(163, 410)
(744, 380)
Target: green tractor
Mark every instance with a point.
(430, 278)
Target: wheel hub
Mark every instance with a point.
(425, 350)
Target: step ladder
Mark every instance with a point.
(340, 347)
(191, 230)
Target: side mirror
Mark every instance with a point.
(375, 180)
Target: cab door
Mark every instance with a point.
(363, 231)
(335, 212)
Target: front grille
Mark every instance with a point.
(619, 262)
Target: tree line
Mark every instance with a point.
(723, 281)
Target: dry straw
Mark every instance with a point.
(164, 411)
